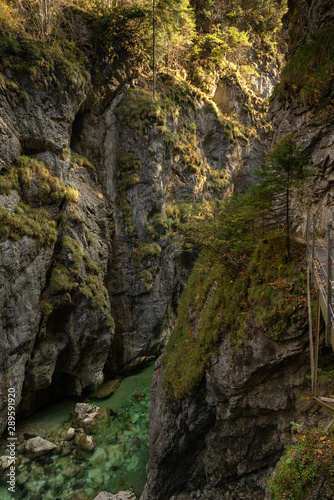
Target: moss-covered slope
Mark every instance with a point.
(264, 294)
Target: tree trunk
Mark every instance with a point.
(288, 216)
(154, 49)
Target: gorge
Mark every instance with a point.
(100, 186)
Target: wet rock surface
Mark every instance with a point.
(106, 389)
(37, 446)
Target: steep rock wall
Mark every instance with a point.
(144, 312)
(225, 441)
(58, 295)
(309, 114)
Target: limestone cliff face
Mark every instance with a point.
(106, 244)
(144, 310)
(304, 18)
(310, 117)
(223, 441)
(41, 352)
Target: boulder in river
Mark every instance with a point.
(121, 495)
(4, 462)
(91, 418)
(69, 434)
(85, 442)
(138, 396)
(37, 446)
(71, 470)
(106, 389)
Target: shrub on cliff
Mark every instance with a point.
(309, 74)
(306, 470)
(240, 283)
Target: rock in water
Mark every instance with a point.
(138, 396)
(71, 470)
(122, 495)
(100, 456)
(86, 443)
(106, 389)
(4, 462)
(90, 417)
(69, 434)
(37, 446)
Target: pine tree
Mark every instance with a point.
(282, 173)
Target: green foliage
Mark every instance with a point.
(283, 172)
(284, 168)
(128, 167)
(209, 55)
(49, 186)
(160, 221)
(240, 283)
(164, 222)
(305, 465)
(185, 142)
(139, 111)
(28, 221)
(221, 41)
(145, 251)
(119, 33)
(75, 272)
(147, 278)
(173, 212)
(88, 236)
(27, 48)
(309, 75)
(219, 180)
(81, 161)
(43, 16)
(260, 16)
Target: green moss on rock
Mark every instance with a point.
(28, 169)
(147, 278)
(74, 272)
(145, 250)
(310, 72)
(28, 221)
(128, 167)
(264, 293)
(305, 466)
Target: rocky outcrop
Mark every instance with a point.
(309, 116)
(144, 308)
(224, 441)
(122, 495)
(37, 446)
(57, 296)
(304, 18)
(70, 341)
(112, 218)
(90, 417)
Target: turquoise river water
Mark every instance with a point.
(118, 461)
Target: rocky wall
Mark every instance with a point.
(225, 440)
